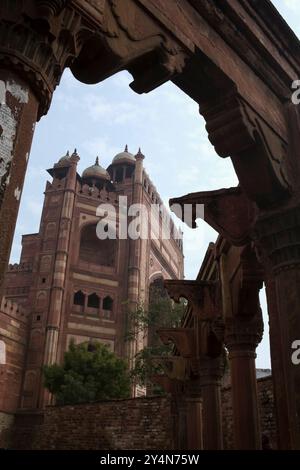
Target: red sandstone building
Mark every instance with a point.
(69, 283)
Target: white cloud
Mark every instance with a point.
(292, 5)
(113, 112)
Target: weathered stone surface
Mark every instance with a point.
(142, 423)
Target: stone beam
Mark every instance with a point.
(120, 35)
(228, 211)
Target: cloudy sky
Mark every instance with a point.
(101, 119)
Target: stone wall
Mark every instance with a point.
(267, 413)
(140, 423)
(6, 424)
(13, 340)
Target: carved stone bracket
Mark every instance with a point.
(258, 153)
(127, 38)
(228, 211)
(183, 338)
(175, 367)
(203, 296)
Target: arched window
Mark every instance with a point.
(79, 298)
(96, 251)
(93, 301)
(108, 303)
(41, 300)
(119, 175)
(129, 171)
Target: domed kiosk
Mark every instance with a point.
(122, 166)
(96, 175)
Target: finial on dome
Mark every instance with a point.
(140, 154)
(97, 161)
(68, 153)
(126, 148)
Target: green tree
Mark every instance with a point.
(144, 322)
(90, 372)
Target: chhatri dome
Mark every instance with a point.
(124, 157)
(64, 160)
(96, 171)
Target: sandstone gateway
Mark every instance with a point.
(238, 60)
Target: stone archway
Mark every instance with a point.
(228, 57)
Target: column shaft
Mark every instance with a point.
(278, 370)
(210, 379)
(18, 114)
(244, 400)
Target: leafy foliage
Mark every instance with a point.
(144, 323)
(90, 372)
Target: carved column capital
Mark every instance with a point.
(277, 237)
(38, 41)
(242, 335)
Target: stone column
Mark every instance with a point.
(18, 114)
(211, 372)
(278, 370)
(33, 55)
(194, 415)
(242, 335)
(181, 435)
(278, 240)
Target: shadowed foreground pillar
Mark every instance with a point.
(194, 415)
(33, 54)
(241, 338)
(18, 114)
(211, 372)
(278, 370)
(278, 238)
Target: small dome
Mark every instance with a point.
(96, 171)
(124, 157)
(65, 160)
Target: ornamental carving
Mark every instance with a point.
(38, 40)
(127, 38)
(244, 333)
(183, 338)
(203, 296)
(228, 211)
(277, 238)
(258, 153)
